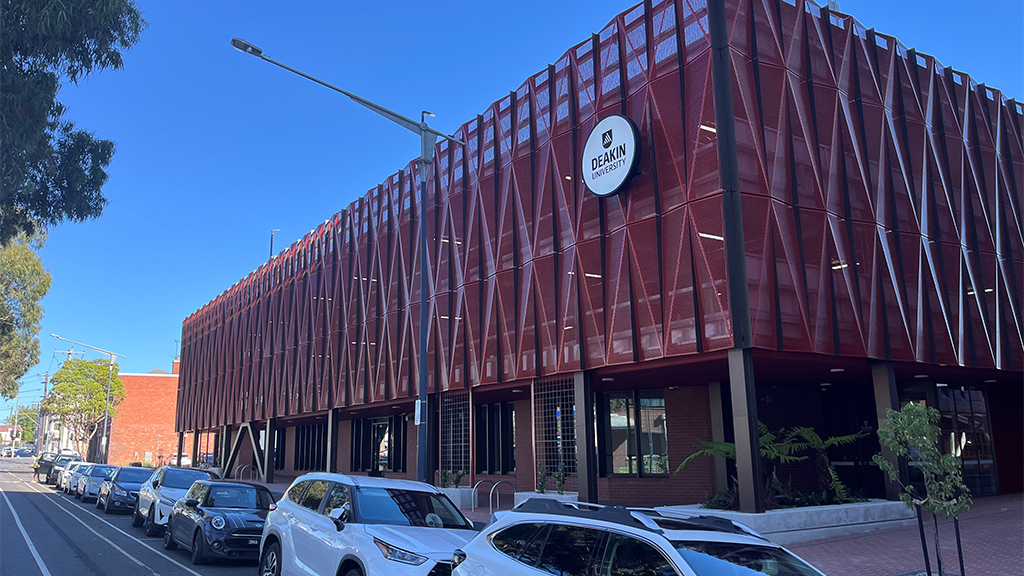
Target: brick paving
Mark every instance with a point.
(992, 534)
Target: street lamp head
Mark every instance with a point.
(424, 114)
(243, 46)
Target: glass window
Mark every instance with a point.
(340, 496)
(731, 559)
(235, 496)
(295, 492)
(495, 438)
(316, 492)
(102, 471)
(193, 492)
(653, 433)
(569, 550)
(629, 556)
(531, 554)
(182, 477)
(513, 539)
(133, 475)
(633, 431)
(407, 508)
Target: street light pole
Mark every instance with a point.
(272, 242)
(106, 407)
(428, 137)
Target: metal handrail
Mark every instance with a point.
(491, 497)
(476, 493)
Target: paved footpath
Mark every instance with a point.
(992, 534)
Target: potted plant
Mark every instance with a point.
(449, 482)
(543, 474)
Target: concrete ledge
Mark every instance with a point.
(461, 496)
(789, 525)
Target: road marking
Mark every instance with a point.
(165, 556)
(101, 536)
(31, 546)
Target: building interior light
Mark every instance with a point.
(711, 236)
(837, 370)
(607, 379)
(588, 275)
(921, 376)
(708, 128)
(941, 384)
(568, 177)
(825, 384)
(990, 381)
(567, 328)
(987, 290)
(516, 391)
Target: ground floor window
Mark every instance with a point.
(310, 447)
(495, 438)
(633, 433)
(280, 448)
(378, 444)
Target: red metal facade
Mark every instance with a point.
(882, 193)
(533, 276)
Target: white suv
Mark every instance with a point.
(361, 526)
(158, 495)
(546, 537)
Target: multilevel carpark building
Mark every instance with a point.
(820, 224)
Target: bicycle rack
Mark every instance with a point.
(239, 471)
(476, 492)
(491, 496)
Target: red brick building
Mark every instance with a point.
(143, 430)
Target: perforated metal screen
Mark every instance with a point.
(554, 424)
(455, 431)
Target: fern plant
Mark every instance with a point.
(776, 447)
(828, 478)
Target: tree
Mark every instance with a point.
(50, 170)
(79, 398)
(26, 418)
(23, 283)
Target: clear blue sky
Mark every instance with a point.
(215, 148)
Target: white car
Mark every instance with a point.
(70, 485)
(361, 526)
(158, 494)
(186, 461)
(88, 486)
(544, 536)
(64, 479)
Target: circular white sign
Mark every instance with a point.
(610, 155)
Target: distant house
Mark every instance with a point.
(9, 431)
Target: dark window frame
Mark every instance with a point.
(365, 459)
(494, 435)
(634, 432)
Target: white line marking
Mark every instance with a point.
(31, 546)
(166, 557)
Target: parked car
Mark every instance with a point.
(219, 518)
(88, 487)
(336, 524)
(63, 481)
(7, 452)
(158, 495)
(45, 461)
(23, 452)
(71, 484)
(572, 539)
(119, 492)
(58, 464)
(186, 461)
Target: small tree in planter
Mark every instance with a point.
(457, 478)
(560, 476)
(542, 479)
(444, 478)
(913, 433)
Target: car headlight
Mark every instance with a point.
(118, 491)
(218, 522)
(398, 555)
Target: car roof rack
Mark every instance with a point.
(611, 514)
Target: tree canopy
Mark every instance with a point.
(79, 397)
(50, 170)
(23, 283)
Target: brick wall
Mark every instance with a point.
(145, 420)
(688, 417)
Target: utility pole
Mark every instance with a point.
(43, 428)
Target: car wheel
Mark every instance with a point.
(106, 506)
(354, 572)
(137, 519)
(198, 556)
(169, 543)
(152, 529)
(270, 564)
(98, 505)
(77, 495)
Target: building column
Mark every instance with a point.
(883, 379)
(270, 451)
(181, 447)
(718, 434)
(586, 451)
(744, 423)
(332, 439)
(224, 449)
(195, 447)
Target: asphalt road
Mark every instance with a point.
(45, 532)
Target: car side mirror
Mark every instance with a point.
(336, 516)
(156, 483)
(191, 502)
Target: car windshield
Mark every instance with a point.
(48, 457)
(62, 460)
(83, 470)
(181, 478)
(238, 497)
(407, 508)
(134, 475)
(102, 471)
(733, 559)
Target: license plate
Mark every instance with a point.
(254, 542)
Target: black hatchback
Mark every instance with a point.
(219, 518)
